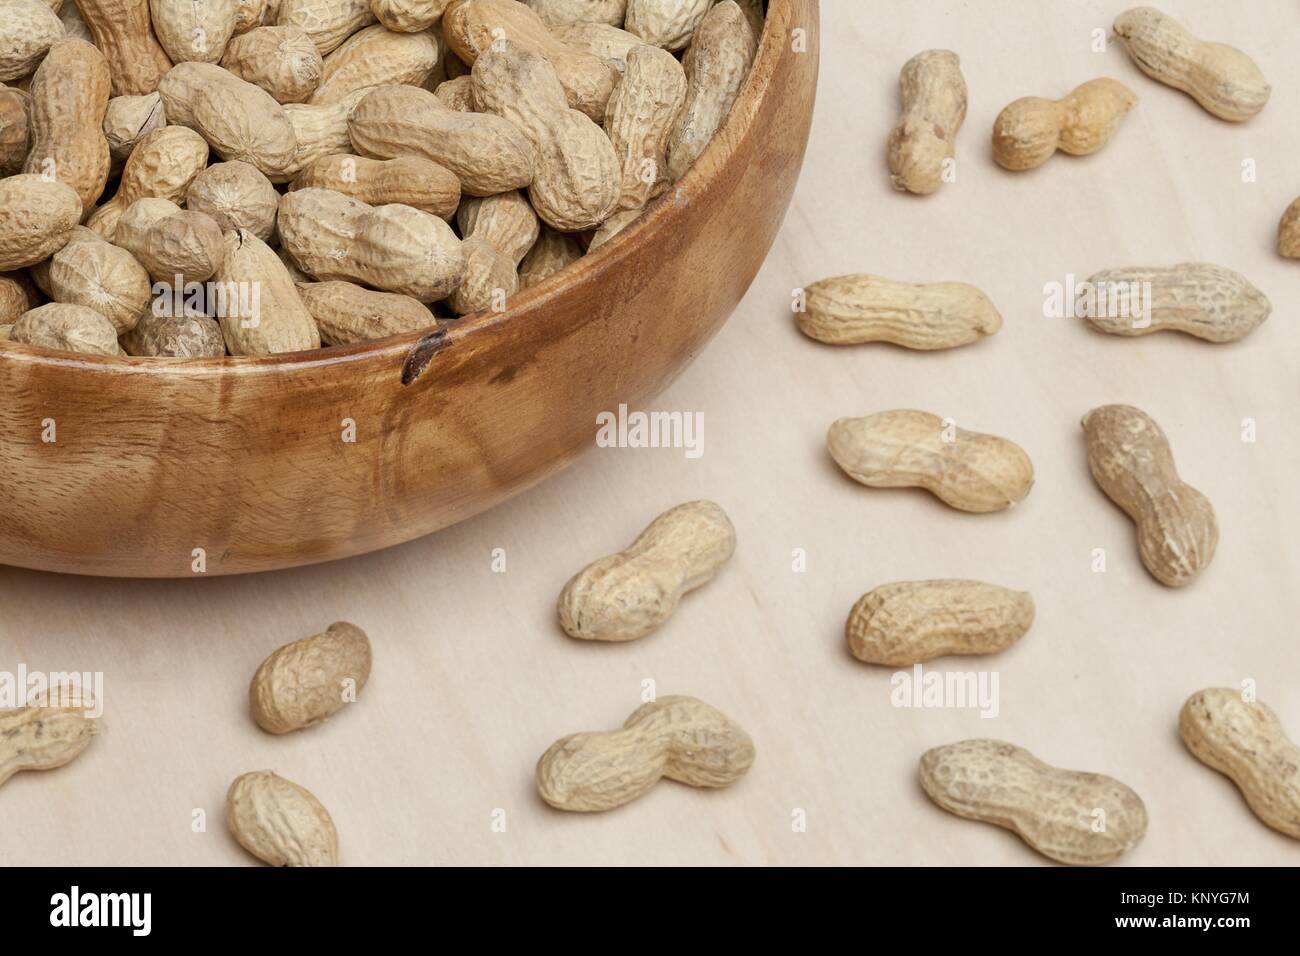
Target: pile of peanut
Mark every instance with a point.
(196, 178)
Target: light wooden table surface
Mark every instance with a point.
(473, 679)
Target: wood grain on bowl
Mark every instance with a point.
(245, 458)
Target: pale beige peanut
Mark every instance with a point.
(551, 253)
(276, 321)
(457, 94)
(28, 28)
(627, 595)
(347, 313)
(716, 67)
(307, 681)
(640, 118)
(1083, 819)
(239, 120)
(1028, 131)
(393, 248)
(472, 27)
(409, 180)
(376, 56)
(1245, 741)
(909, 622)
(37, 216)
(922, 145)
(138, 218)
(178, 336)
(280, 822)
(319, 130)
(92, 272)
(281, 60)
(69, 99)
(171, 242)
(1130, 459)
(1224, 80)
(17, 295)
(666, 23)
(487, 153)
(1288, 232)
(498, 230)
(408, 16)
(578, 179)
(41, 737)
(678, 738)
(163, 165)
(600, 39)
(854, 309)
(236, 196)
(123, 33)
(193, 29)
(69, 328)
(14, 129)
(1203, 300)
(903, 448)
(129, 119)
(327, 22)
(556, 13)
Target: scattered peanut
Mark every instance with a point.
(1288, 232)
(922, 146)
(681, 738)
(970, 471)
(1131, 462)
(347, 313)
(37, 217)
(1203, 300)
(304, 682)
(39, 737)
(1245, 741)
(1084, 819)
(853, 309)
(280, 822)
(627, 595)
(71, 328)
(909, 622)
(283, 61)
(1225, 81)
(409, 180)
(1030, 130)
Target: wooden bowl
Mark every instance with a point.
(245, 458)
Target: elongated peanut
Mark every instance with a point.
(163, 165)
(306, 681)
(319, 130)
(327, 22)
(40, 737)
(970, 471)
(408, 16)
(599, 39)
(716, 67)
(69, 99)
(91, 272)
(125, 36)
(629, 594)
(409, 180)
(551, 253)
(556, 13)
(472, 27)
(280, 822)
(281, 60)
(1288, 232)
(1030, 130)
(128, 120)
(377, 56)
(70, 328)
(236, 196)
(913, 621)
(666, 23)
(1130, 460)
(37, 216)
(1200, 299)
(28, 28)
(193, 29)
(347, 313)
(272, 319)
(680, 738)
(487, 153)
(853, 309)
(498, 231)
(1084, 819)
(179, 336)
(393, 248)
(578, 180)
(1245, 741)
(640, 118)
(1225, 81)
(239, 120)
(923, 143)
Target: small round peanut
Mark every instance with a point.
(1030, 130)
(280, 822)
(42, 737)
(69, 328)
(306, 681)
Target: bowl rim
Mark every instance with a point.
(405, 346)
